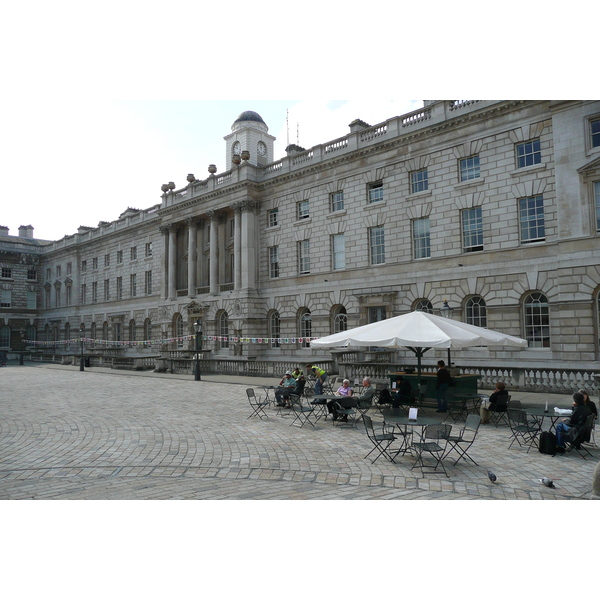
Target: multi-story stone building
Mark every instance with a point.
(490, 206)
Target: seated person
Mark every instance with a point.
(285, 384)
(366, 398)
(344, 389)
(569, 428)
(499, 391)
(589, 403)
(403, 392)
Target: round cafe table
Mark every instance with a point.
(403, 421)
(539, 414)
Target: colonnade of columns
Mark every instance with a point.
(245, 250)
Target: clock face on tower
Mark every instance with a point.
(237, 148)
(261, 149)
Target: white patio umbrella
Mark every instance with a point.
(419, 331)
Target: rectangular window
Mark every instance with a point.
(375, 192)
(31, 300)
(377, 245)
(6, 272)
(94, 292)
(421, 238)
(529, 154)
(94, 263)
(119, 256)
(472, 229)
(338, 251)
(419, 181)
(597, 198)
(133, 284)
(304, 257)
(106, 290)
(119, 288)
(83, 266)
(273, 261)
(47, 297)
(68, 293)
(531, 218)
(148, 249)
(107, 260)
(133, 254)
(469, 168)
(303, 209)
(83, 293)
(336, 201)
(273, 217)
(48, 274)
(69, 268)
(58, 271)
(32, 274)
(57, 297)
(148, 283)
(595, 132)
(5, 298)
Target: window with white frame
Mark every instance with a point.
(69, 268)
(83, 298)
(133, 284)
(58, 271)
(49, 274)
(32, 274)
(31, 333)
(424, 305)
(148, 249)
(224, 330)
(305, 328)
(419, 181)
(597, 203)
(595, 132)
(531, 219)
(303, 209)
(4, 336)
(133, 253)
(340, 320)
(5, 298)
(106, 290)
(469, 168)
(179, 330)
(95, 263)
(537, 320)
(275, 329)
(476, 312)
(472, 229)
(6, 273)
(68, 295)
(119, 288)
(148, 283)
(304, 257)
(273, 217)
(107, 260)
(375, 192)
(94, 292)
(338, 251)
(421, 238)
(336, 201)
(132, 330)
(31, 299)
(528, 154)
(119, 257)
(377, 313)
(273, 262)
(377, 245)
(83, 267)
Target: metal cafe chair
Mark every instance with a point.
(381, 441)
(523, 432)
(257, 404)
(575, 443)
(464, 440)
(457, 408)
(499, 412)
(301, 412)
(348, 415)
(434, 442)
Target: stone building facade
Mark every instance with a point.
(492, 207)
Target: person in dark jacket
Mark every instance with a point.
(588, 402)
(403, 391)
(443, 381)
(568, 428)
(499, 391)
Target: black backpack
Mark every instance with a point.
(547, 443)
(385, 397)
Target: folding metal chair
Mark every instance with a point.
(348, 415)
(434, 442)
(381, 441)
(464, 440)
(579, 438)
(457, 408)
(523, 432)
(301, 411)
(257, 404)
(499, 412)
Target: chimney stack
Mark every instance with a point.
(26, 231)
(4, 230)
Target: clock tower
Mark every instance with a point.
(249, 132)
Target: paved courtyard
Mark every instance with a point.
(102, 434)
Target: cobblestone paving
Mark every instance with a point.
(66, 434)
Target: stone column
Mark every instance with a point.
(192, 258)
(164, 229)
(172, 263)
(248, 250)
(214, 252)
(237, 248)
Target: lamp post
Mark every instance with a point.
(198, 330)
(81, 332)
(22, 332)
(447, 312)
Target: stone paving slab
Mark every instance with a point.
(102, 434)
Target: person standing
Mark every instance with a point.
(321, 377)
(443, 382)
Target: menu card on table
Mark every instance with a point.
(412, 414)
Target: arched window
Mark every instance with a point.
(223, 325)
(105, 330)
(5, 336)
(132, 330)
(305, 327)
(274, 328)
(340, 319)
(476, 312)
(147, 330)
(31, 333)
(423, 305)
(178, 328)
(537, 320)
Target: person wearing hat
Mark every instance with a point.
(284, 390)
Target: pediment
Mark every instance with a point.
(593, 165)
